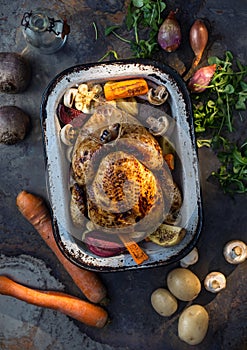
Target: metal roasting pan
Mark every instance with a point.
(57, 168)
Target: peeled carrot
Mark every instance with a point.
(125, 88)
(83, 311)
(36, 212)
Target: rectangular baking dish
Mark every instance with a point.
(57, 170)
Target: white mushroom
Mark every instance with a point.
(235, 252)
(190, 259)
(69, 97)
(68, 135)
(157, 96)
(158, 126)
(215, 282)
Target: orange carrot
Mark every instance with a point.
(125, 88)
(169, 158)
(83, 311)
(36, 212)
(134, 249)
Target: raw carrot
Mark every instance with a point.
(83, 311)
(36, 212)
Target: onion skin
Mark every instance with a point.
(198, 40)
(15, 73)
(169, 36)
(201, 79)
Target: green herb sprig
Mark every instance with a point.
(215, 111)
(226, 93)
(232, 174)
(142, 15)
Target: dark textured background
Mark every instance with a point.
(134, 323)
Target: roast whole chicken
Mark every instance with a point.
(121, 183)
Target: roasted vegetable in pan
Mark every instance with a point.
(125, 88)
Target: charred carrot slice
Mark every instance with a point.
(125, 88)
(36, 212)
(169, 158)
(83, 311)
(134, 249)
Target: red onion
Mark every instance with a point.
(169, 36)
(98, 245)
(201, 78)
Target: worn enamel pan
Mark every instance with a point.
(57, 169)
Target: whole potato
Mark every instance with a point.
(193, 324)
(163, 302)
(183, 284)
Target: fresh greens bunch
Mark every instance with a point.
(142, 15)
(226, 93)
(232, 174)
(215, 111)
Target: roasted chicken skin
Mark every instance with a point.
(122, 181)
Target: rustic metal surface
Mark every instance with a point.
(134, 322)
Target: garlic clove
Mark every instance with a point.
(235, 252)
(215, 282)
(190, 259)
(83, 89)
(69, 97)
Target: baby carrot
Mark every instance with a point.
(83, 311)
(36, 212)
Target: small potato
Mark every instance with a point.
(193, 324)
(183, 284)
(163, 302)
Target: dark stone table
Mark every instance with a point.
(134, 324)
